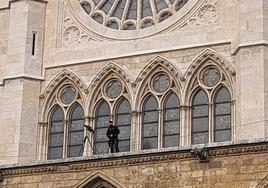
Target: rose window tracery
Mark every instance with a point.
(131, 14)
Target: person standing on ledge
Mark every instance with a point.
(112, 133)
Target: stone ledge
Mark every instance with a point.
(138, 157)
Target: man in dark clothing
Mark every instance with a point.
(112, 133)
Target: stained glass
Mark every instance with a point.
(161, 83)
(200, 118)
(150, 123)
(171, 121)
(211, 77)
(222, 117)
(68, 95)
(113, 89)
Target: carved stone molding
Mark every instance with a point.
(263, 183)
(74, 36)
(209, 54)
(135, 160)
(207, 15)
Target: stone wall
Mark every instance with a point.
(239, 166)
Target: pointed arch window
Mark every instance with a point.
(200, 119)
(150, 123)
(56, 134)
(114, 105)
(66, 130)
(171, 130)
(123, 121)
(76, 132)
(101, 124)
(222, 116)
(211, 107)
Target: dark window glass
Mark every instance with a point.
(160, 5)
(76, 132)
(171, 121)
(86, 6)
(222, 116)
(123, 121)
(102, 118)
(56, 134)
(150, 124)
(119, 9)
(200, 118)
(107, 6)
(146, 8)
(132, 11)
(161, 83)
(211, 77)
(68, 95)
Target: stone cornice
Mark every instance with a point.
(227, 149)
(8, 4)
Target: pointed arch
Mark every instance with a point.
(157, 64)
(50, 90)
(206, 58)
(109, 71)
(96, 178)
(203, 57)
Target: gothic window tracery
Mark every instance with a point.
(132, 14)
(211, 107)
(114, 105)
(66, 131)
(160, 113)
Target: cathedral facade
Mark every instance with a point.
(183, 80)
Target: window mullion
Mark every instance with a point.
(65, 140)
(210, 122)
(160, 128)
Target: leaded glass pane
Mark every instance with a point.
(223, 108)
(57, 114)
(76, 138)
(113, 89)
(223, 122)
(77, 113)
(132, 13)
(223, 96)
(123, 119)
(77, 125)
(103, 109)
(107, 6)
(179, 4)
(200, 118)
(160, 5)
(171, 141)
(150, 143)
(124, 132)
(56, 134)
(123, 122)
(68, 95)
(101, 148)
(151, 116)
(200, 138)
(172, 127)
(150, 104)
(119, 9)
(57, 127)
(101, 135)
(146, 8)
(75, 151)
(200, 98)
(56, 139)
(172, 114)
(200, 124)
(102, 121)
(55, 153)
(222, 136)
(124, 146)
(199, 111)
(172, 101)
(164, 16)
(161, 83)
(102, 117)
(150, 130)
(211, 77)
(86, 6)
